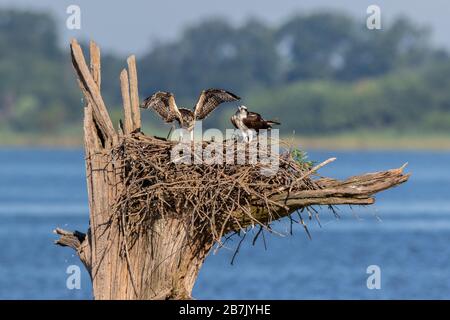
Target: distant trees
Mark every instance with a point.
(213, 54)
(315, 46)
(411, 101)
(305, 47)
(320, 71)
(36, 85)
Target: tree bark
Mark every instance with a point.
(162, 264)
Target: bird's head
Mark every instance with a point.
(145, 103)
(242, 109)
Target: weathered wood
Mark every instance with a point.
(124, 88)
(92, 93)
(96, 71)
(164, 263)
(92, 146)
(358, 190)
(155, 260)
(97, 190)
(77, 241)
(134, 94)
(72, 239)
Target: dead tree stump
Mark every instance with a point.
(164, 262)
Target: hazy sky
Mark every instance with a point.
(131, 26)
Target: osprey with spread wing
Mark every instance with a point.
(164, 104)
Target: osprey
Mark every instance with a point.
(247, 122)
(164, 104)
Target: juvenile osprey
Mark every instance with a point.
(247, 122)
(164, 104)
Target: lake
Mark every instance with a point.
(406, 234)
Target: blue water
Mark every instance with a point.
(406, 234)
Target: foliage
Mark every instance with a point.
(301, 157)
(414, 101)
(37, 89)
(318, 73)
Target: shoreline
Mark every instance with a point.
(364, 141)
(375, 143)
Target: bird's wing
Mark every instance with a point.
(253, 120)
(164, 104)
(210, 99)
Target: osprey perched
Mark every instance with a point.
(247, 121)
(164, 104)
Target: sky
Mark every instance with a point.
(131, 26)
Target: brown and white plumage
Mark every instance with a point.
(247, 121)
(256, 122)
(164, 104)
(210, 99)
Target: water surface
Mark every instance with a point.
(407, 234)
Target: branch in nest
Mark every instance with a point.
(357, 190)
(215, 200)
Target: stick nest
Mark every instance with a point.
(212, 200)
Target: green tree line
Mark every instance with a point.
(318, 73)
